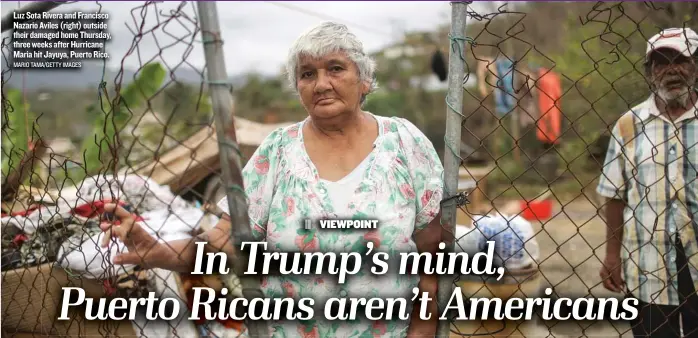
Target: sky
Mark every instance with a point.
(257, 35)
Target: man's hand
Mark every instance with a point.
(611, 274)
(143, 249)
(611, 269)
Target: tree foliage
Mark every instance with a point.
(17, 128)
(597, 49)
(112, 115)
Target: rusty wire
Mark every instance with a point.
(174, 118)
(571, 239)
(607, 81)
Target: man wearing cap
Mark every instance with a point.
(649, 179)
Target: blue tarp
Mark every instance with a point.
(504, 93)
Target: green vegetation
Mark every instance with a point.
(16, 132)
(112, 117)
(596, 48)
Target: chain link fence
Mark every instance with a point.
(544, 85)
(149, 143)
(551, 83)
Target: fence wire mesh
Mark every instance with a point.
(545, 86)
(149, 144)
(551, 83)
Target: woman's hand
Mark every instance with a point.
(427, 240)
(146, 251)
(143, 249)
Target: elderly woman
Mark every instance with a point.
(340, 162)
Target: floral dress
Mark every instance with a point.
(402, 187)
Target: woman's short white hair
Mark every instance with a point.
(326, 38)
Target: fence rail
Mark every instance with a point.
(532, 129)
(452, 160)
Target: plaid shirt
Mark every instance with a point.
(651, 163)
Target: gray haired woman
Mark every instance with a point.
(340, 162)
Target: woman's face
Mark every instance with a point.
(329, 86)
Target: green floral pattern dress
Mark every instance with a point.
(402, 188)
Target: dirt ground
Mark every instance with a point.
(571, 250)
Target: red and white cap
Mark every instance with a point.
(682, 40)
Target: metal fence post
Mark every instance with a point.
(229, 153)
(452, 159)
